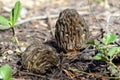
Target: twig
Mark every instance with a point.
(107, 4)
(35, 18)
(49, 24)
(44, 17)
(117, 43)
(96, 75)
(73, 56)
(108, 21)
(32, 74)
(93, 14)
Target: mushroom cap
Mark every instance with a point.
(71, 31)
(40, 58)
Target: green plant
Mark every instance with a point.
(100, 1)
(107, 52)
(14, 14)
(5, 72)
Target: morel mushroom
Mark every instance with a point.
(40, 58)
(71, 31)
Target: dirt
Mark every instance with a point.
(42, 30)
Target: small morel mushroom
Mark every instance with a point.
(39, 59)
(71, 32)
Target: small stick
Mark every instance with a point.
(44, 17)
(49, 24)
(35, 18)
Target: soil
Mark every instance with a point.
(41, 29)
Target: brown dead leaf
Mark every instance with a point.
(69, 73)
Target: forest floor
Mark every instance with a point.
(34, 25)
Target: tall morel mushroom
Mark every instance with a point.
(71, 31)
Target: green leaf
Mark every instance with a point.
(6, 72)
(91, 42)
(98, 56)
(17, 10)
(11, 17)
(15, 13)
(100, 1)
(114, 71)
(112, 67)
(108, 38)
(4, 27)
(3, 20)
(113, 51)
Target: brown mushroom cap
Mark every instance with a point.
(40, 58)
(71, 30)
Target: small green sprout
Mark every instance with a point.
(14, 15)
(106, 52)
